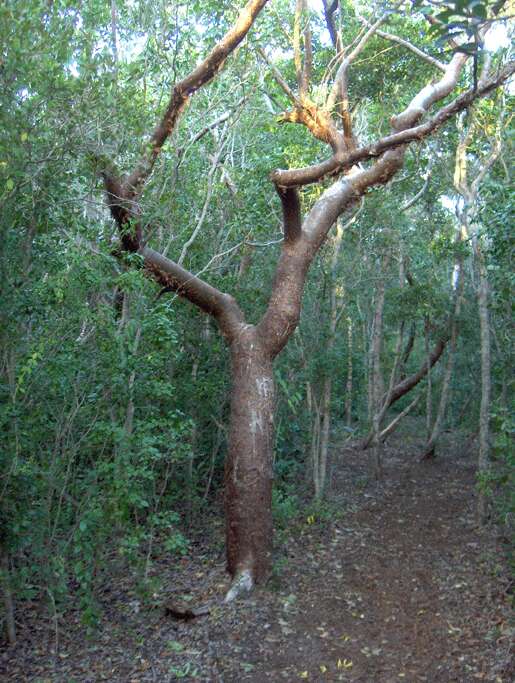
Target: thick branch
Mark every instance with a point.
(410, 382)
(291, 213)
(402, 388)
(329, 9)
(173, 277)
(283, 311)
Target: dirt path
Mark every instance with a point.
(397, 592)
(399, 587)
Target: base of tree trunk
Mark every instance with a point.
(242, 583)
(428, 454)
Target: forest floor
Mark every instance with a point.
(397, 585)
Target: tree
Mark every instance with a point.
(253, 347)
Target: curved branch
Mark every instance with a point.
(173, 277)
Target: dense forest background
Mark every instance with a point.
(115, 392)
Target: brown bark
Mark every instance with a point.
(430, 446)
(406, 385)
(408, 132)
(248, 469)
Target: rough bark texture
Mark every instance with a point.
(248, 470)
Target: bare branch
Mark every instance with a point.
(339, 92)
(409, 46)
(393, 424)
(329, 10)
(407, 205)
(210, 178)
(297, 54)
(281, 81)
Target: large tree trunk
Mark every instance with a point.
(248, 469)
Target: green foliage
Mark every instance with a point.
(499, 481)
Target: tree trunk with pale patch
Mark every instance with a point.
(248, 467)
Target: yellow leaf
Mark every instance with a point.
(24, 137)
(346, 664)
(311, 519)
(345, 638)
(323, 668)
(10, 184)
(303, 674)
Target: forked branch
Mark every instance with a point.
(338, 163)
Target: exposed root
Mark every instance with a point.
(243, 583)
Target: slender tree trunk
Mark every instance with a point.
(5, 575)
(315, 452)
(348, 386)
(377, 383)
(429, 450)
(324, 436)
(327, 385)
(248, 470)
(429, 392)
(484, 413)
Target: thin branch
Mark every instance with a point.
(297, 54)
(211, 174)
(409, 46)
(422, 190)
(393, 424)
(308, 53)
(278, 77)
(175, 278)
(214, 124)
(339, 89)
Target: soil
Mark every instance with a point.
(389, 582)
